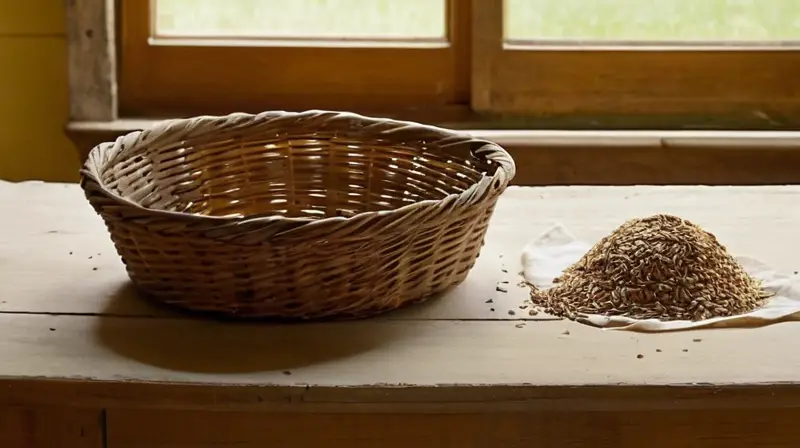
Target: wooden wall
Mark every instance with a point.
(33, 92)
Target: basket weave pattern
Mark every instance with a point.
(296, 215)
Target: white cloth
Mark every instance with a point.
(546, 257)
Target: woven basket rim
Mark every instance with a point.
(105, 153)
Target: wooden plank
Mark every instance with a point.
(57, 235)
(568, 82)
(32, 18)
(383, 354)
(49, 231)
(51, 427)
(92, 60)
(658, 429)
(32, 140)
(487, 42)
(586, 165)
(446, 398)
(324, 365)
(595, 157)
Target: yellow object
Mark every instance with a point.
(33, 92)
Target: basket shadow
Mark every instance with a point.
(184, 342)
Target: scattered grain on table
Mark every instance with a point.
(661, 267)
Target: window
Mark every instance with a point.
(206, 56)
(710, 64)
(642, 63)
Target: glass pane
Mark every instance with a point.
(653, 20)
(301, 19)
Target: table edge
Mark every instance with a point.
(453, 398)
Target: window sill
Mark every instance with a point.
(554, 157)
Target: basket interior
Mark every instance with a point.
(311, 175)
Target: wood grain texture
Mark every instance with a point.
(70, 241)
(443, 399)
(386, 354)
(487, 41)
(34, 111)
(733, 85)
(51, 427)
(92, 69)
(80, 338)
(370, 354)
(105, 338)
(57, 236)
(658, 429)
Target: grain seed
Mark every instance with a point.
(660, 267)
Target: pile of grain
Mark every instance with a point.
(661, 267)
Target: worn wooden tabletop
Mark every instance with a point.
(71, 323)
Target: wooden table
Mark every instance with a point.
(84, 363)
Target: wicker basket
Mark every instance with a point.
(295, 215)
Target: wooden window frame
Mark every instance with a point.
(92, 61)
(177, 78)
(478, 80)
(713, 86)
(604, 156)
